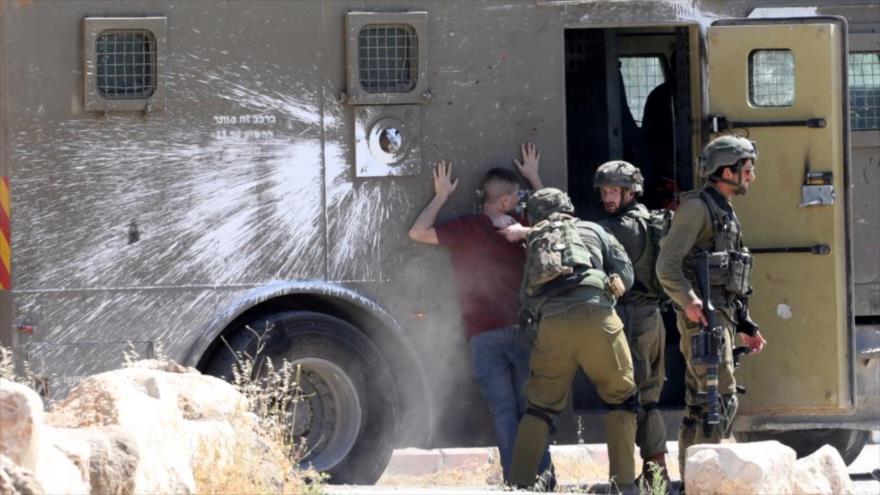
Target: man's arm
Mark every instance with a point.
(615, 259)
(528, 168)
(686, 225)
(422, 229)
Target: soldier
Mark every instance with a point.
(705, 221)
(487, 270)
(620, 184)
(577, 327)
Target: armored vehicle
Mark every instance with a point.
(175, 172)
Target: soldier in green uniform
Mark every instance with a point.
(577, 328)
(705, 221)
(620, 184)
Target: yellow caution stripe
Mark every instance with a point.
(5, 237)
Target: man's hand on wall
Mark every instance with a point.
(444, 186)
(529, 167)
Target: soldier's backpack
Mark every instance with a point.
(555, 253)
(656, 225)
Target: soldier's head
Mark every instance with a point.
(729, 163)
(500, 189)
(619, 183)
(546, 201)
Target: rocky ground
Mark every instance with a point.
(580, 469)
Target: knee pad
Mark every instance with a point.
(544, 414)
(631, 404)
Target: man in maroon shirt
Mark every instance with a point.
(488, 272)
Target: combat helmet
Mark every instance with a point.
(618, 173)
(725, 151)
(546, 201)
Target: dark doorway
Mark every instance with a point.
(628, 97)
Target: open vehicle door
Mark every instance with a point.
(782, 84)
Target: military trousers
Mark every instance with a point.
(591, 338)
(691, 430)
(646, 337)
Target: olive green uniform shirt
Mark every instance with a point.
(691, 231)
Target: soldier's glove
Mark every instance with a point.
(615, 285)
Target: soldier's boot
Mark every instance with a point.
(620, 432)
(531, 439)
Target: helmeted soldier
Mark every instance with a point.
(576, 328)
(706, 222)
(620, 184)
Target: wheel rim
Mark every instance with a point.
(330, 415)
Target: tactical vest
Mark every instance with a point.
(730, 263)
(654, 225)
(557, 261)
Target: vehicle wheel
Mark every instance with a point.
(349, 413)
(804, 442)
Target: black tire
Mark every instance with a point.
(351, 399)
(804, 442)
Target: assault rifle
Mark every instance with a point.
(706, 347)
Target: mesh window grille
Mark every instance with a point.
(126, 64)
(640, 76)
(388, 58)
(864, 90)
(771, 78)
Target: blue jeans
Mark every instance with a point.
(500, 361)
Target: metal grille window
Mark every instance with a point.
(640, 75)
(864, 90)
(388, 58)
(126, 64)
(771, 78)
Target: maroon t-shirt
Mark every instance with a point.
(488, 272)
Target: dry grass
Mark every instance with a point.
(262, 456)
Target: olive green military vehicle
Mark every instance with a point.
(178, 170)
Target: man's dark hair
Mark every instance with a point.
(498, 181)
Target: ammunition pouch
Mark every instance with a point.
(730, 272)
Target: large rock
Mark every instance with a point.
(58, 473)
(740, 469)
(15, 480)
(107, 457)
(21, 423)
(171, 413)
(822, 472)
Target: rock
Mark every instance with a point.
(15, 480)
(107, 457)
(21, 421)
(740, 469)
(140, 401)
(57, 473)
(169, 417)
(823, 471)
(163, 365)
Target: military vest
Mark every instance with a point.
(558, 261)
(654, 225)
(730, 263)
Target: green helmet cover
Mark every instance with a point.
(618, 173)
(725, 151)
(546, 201)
